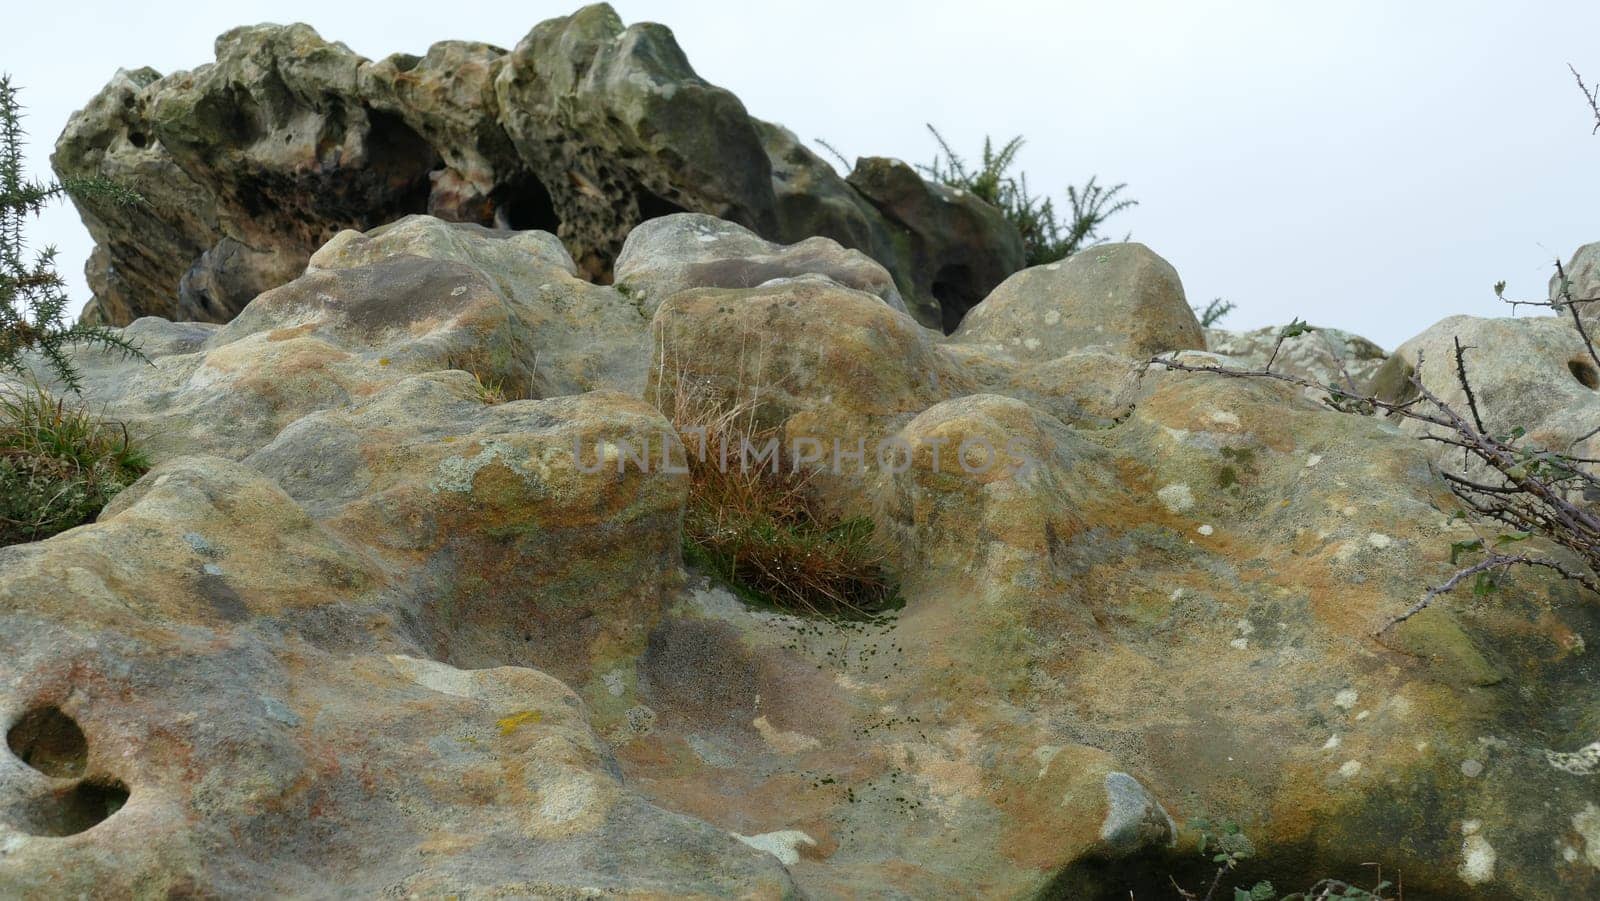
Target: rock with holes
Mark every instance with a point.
(585, 129)
(689, 250)
(1326, 356)
(656, 137)
(1532, 373)
(1120, 298)
(224, 685)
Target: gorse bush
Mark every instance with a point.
(1046, 235)
(33, 299)
(59, 465)
(758, 529)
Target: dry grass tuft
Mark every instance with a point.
(755, 525)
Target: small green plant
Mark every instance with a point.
(1046, 237)
(1227, 846)
(33, 299)
(1213, 312)
(59, 465)
(758, 528)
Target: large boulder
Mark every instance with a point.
(585, 129)
(1121, 298)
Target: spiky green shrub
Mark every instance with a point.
(33, 299)
(59, 465)
(1046, 235)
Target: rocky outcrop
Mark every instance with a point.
(585, 129)
(369, 624)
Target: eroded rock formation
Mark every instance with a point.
(585, 129)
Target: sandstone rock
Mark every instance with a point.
(396, 637)
(821, 361)
(1326, 356)
(447, 96)
(1583, 278)
(584, 130)
(689, 250)
(222, 722)
(1120, 298)
(657, 138)
(1532, 373)
(417, 296)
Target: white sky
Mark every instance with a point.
(1370, 165)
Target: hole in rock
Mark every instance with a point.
(76, 809)
(1585, 373)
(138, 139)
(524, 204)
(652, 206)
(401, 160)
(954, 290)
(50, 742)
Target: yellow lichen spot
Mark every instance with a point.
(383, 361)
(517, 720)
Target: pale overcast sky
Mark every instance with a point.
(1370, 165)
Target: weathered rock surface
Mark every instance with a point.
(1532, 373)
(1327, 356)
(1583, 278)
(366, 627)
(689, 250)
(585, 129)
(959, 247)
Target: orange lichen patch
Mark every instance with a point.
(515, 721)
(1053, 806)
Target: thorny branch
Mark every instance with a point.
(1593, 96)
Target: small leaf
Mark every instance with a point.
(1457, 548)
(1509, 537)
(1295, 328)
